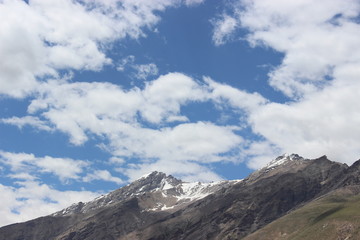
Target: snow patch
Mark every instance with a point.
(166, 185)
(164, 208)
(283, 159)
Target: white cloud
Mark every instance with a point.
(193, 2)
(103, 175)
(116, 160)
(23, 176)
(177, 119)
(28, 197)
(142, 71)
(199, 142)
(40, 38)
(25, 166)
(122, 117)
(20, 122)
(223, 29)
(325, 123)
(68, 35)
(319, 72)
(23, 51)
(315, 37)
(146, 128)
(75, 108)
(226, 95)
(145, 70)
(64, 168)
(164, 97)
(128, 60)
(259, 153)
(31, 199)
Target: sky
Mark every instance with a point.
(96, 93)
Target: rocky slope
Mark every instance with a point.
(158, 206)
(333, 216)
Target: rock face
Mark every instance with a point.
(158, 206)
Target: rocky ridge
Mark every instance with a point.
(158, 206)
(156, 190)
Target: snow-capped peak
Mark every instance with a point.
(283, 159)
(283, 163)
(151, 175)
(165, 191)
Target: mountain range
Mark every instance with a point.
(290, 198)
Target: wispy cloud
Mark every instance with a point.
(141, 71)
(30, 199)
(193, 2)
(224, 29)
(33, 121)
(103, 175)
(25, 165)
(125, 62)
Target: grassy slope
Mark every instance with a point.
(334, 216)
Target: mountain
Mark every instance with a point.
(155, 192)
(158, 206)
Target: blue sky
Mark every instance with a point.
(95, 94)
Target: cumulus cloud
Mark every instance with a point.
(40, 38)
(323, 123)
(319, 73)
(199, 142)
(315, 37)
(75, 108)
(314, 45)
(164, 97)
(183, 150)
(125, 117)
